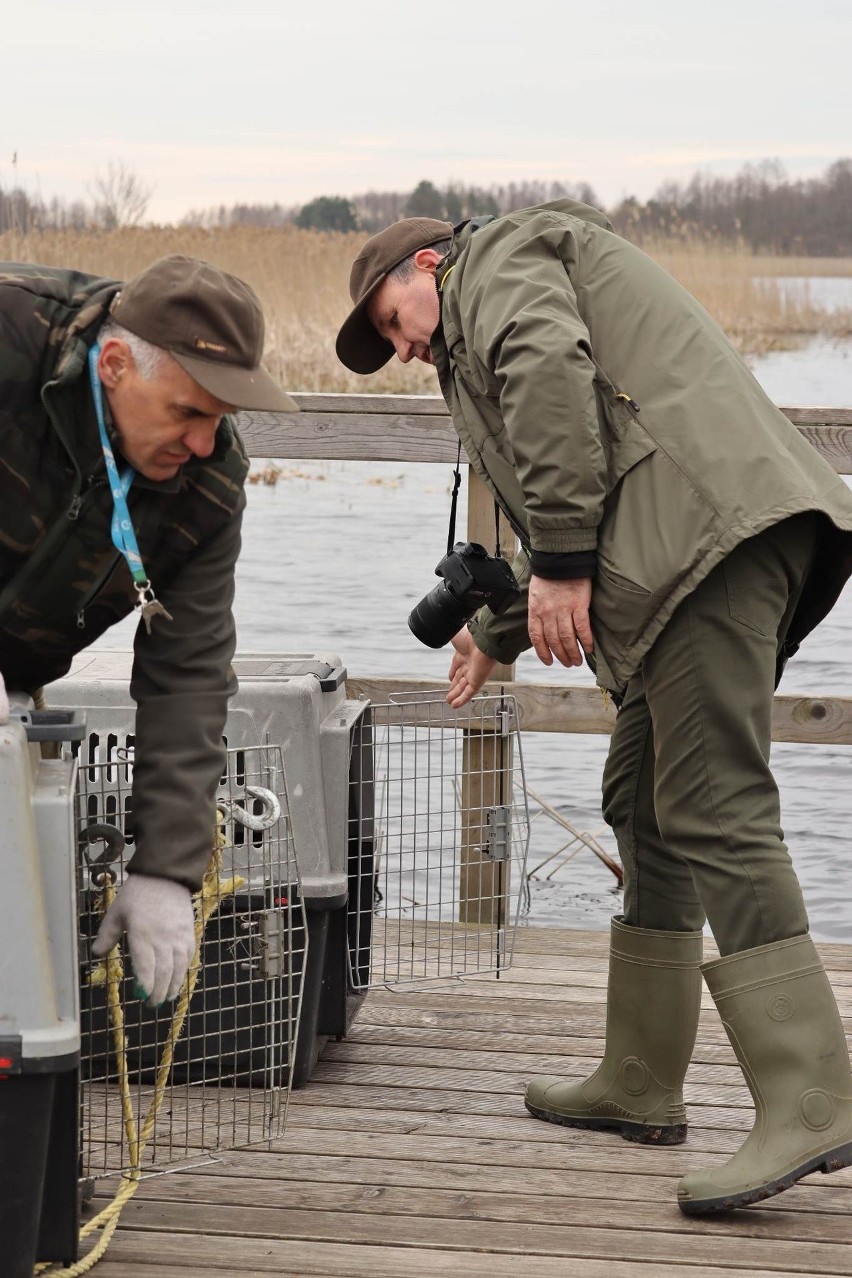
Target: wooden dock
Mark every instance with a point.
(410, 1155)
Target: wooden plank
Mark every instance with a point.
(494, 1030)
(346, 403)
(552, 1009)
(453, 1079)
(417, 428)
(352, 437)
(356, 1050)
(838, 967)
(344, 1089)
(319, 1154)
(586, 1178)
(401, 1029)
(562, 940)
(542, 976)
(253, 1258)
(818, 720)
(384, 1195)
(554, 708)
(594, 943)
(248, 1180)
(326, 1114)
(258, 1224)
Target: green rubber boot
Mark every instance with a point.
(653, 999)
(779, 1012)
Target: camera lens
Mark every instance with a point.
(438, 617)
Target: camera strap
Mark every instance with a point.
(454, 501)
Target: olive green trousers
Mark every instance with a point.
(687, 786)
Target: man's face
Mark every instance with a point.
(407, 313)
(162, 421)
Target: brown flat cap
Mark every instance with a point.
(359, 346)
(210, 322)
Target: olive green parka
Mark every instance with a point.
(607, 411)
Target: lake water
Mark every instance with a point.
(833, 292)
(336, 553)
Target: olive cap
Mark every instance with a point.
(359, 346)
(210, 322)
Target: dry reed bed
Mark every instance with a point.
(302, 276)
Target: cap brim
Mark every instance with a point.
(360, 346)
(251, 388)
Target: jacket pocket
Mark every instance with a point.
(625, 441)
(621, 609)
(656, 526)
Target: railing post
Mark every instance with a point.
(487, 759)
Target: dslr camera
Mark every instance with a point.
(471, 578)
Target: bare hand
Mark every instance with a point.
(559, 618)
(469, 670)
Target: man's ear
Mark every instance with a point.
(115, 359)
(426, 259)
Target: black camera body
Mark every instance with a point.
(471, 578)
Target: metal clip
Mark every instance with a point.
(628, 400)
(273, 945)
(114, 844)
(498, 821)
(261, 821)
(148, 605)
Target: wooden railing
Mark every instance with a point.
(417, 428)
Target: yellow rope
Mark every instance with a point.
(111, 970)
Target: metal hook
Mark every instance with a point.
(114, 844)
(263, 821)
(110, 835)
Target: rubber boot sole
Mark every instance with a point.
(825, 1163)
(639, 1133)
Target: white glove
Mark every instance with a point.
(158, 917)
(4, 702)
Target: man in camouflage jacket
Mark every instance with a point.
(179, 349)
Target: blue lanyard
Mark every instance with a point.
(123, 533)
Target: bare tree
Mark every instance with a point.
(120, 196)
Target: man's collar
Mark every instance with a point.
(461, 238)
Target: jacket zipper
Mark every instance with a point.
(92, 483)
(54, 534)
(95, 591)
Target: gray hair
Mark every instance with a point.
(404, 270)
(148, 358)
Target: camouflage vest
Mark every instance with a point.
(62, 583)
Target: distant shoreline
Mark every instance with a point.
(302, 278)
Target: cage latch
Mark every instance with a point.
(272, 945)
(497, 820)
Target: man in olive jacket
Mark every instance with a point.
(162, 360)
(677, 527)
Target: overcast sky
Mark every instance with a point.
(260, 102)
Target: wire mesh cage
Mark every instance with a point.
(231, 1064)
(440, 835)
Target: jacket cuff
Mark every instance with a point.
(503, 648)
(564, 566)
(563, 541)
